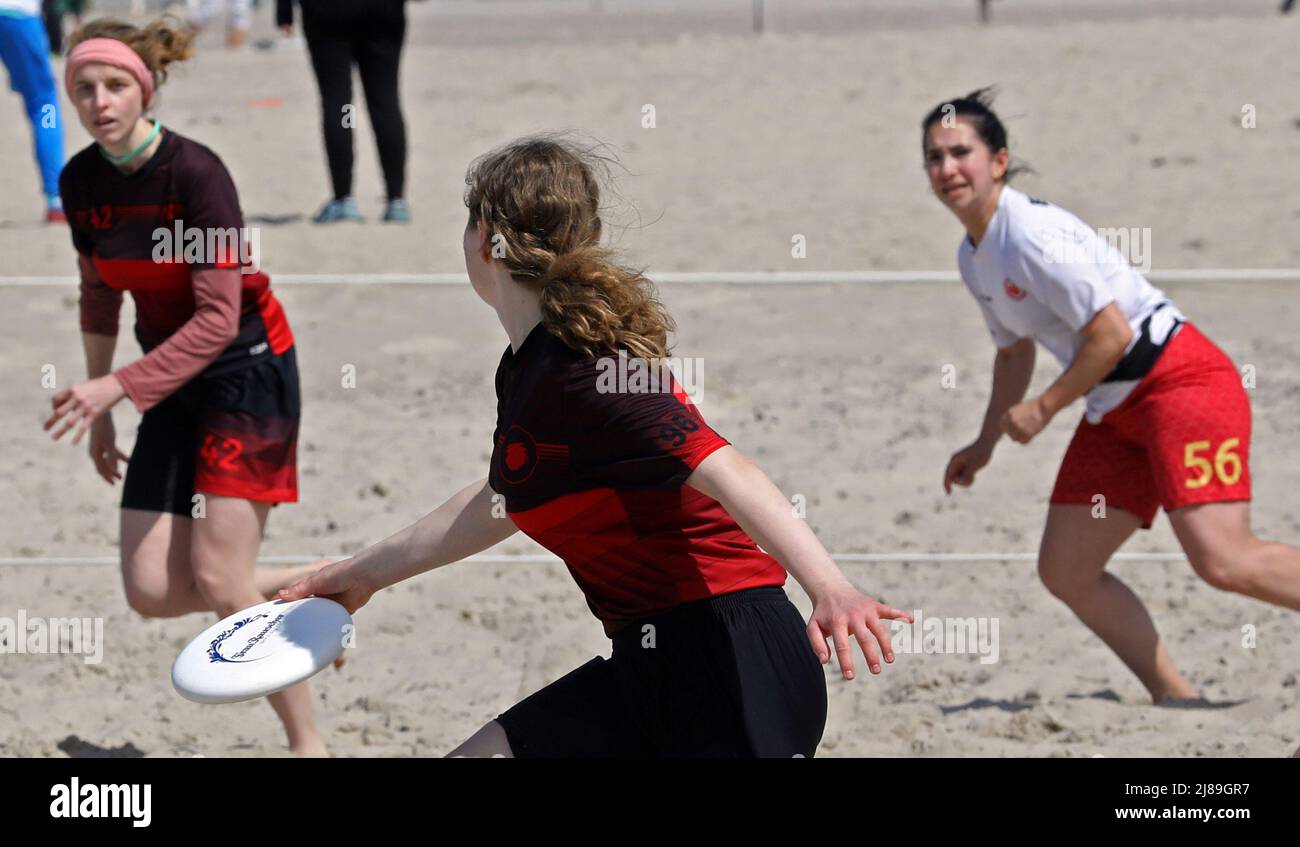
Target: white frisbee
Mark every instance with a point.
(261, 650)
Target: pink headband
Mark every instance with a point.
(109, 51)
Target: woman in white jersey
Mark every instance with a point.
(1167, 422)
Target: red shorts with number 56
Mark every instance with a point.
(1181, 438)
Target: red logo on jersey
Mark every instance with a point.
(1014, 291)
(518, 455)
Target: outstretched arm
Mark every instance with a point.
(460, 527)
(766, 515)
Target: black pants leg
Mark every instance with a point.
(379, 54)
(331, 49)
(53, 19)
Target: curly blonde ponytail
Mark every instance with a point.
(594, 306)
(539, 199)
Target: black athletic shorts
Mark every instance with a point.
(729, 676)
(233, 434)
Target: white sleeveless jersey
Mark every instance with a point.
(1041, 273)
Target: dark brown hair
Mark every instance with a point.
(976, 107)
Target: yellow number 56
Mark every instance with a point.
(1227, 464)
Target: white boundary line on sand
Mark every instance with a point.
(728, 277)
(542, 558)
(724, 277)
(705, 277)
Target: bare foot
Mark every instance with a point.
(314, 749)
(1177, 694)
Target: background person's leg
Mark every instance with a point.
(156, 571)
(331, 60)
(1072, 564)
(156, 565)
(52, 18)
(379, 55)
(1225, 553)
(223, 551)
(241, 20)
(25, 49)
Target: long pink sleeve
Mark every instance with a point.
(100, 304)
(191, 348)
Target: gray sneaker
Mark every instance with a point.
(397, 211)
(338, 210)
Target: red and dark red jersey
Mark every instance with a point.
(118, 221)
(597, 477)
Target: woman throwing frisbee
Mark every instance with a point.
(1167, 422)
(655, 514)
(218, 384)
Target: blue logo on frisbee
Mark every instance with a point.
(214, 649)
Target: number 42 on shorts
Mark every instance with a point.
(1227, 464)
(221, 452)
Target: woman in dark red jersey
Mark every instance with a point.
(156, 214)
(655, 514)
